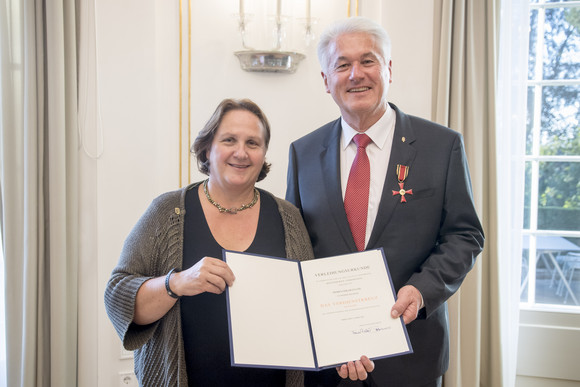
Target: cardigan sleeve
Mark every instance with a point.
(145, 255)
(298, 245)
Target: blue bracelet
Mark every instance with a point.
(169, 291)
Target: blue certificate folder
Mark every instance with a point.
(312, 315)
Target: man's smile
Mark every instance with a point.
(358, 89)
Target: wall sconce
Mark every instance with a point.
(275, 59)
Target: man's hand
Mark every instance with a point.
(408, 304)
(357, 370)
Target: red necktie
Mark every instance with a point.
(356, 197)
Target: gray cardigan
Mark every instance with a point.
(153, 247)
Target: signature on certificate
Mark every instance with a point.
(361, 331)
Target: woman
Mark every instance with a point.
(166, 296)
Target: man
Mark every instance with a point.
(418, 204)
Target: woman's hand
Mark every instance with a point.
(357, 370)
(210, 275)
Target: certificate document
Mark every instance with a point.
(313, 314)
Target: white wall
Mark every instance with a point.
(136, 104)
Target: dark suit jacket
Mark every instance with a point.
(430, 242)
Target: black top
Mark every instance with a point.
(204, 317)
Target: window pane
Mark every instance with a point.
(562, 43)
(530, 119)
(545, 280)
(525, 269)
(560, 121)
(532, 44)
(527, 195)
(559, 196)
(557, 271)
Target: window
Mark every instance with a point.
(551, 244)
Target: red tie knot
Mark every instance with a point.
(361, 140)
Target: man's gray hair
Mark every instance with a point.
(355, 24)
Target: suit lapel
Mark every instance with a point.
(330, 162)
(402, 152)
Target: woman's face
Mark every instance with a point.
(238, 150)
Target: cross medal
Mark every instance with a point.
(402, 172)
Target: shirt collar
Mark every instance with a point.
(378, 133)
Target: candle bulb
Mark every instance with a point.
(348, 8)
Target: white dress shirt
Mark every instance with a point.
(378, 151)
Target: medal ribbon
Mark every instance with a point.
(402, 172)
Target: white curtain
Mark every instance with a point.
(478, 91)
(510, 151)
(38, 189)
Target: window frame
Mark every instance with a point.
(535, 159)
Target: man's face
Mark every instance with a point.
(358, 77)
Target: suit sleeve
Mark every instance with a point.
(460, 238)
